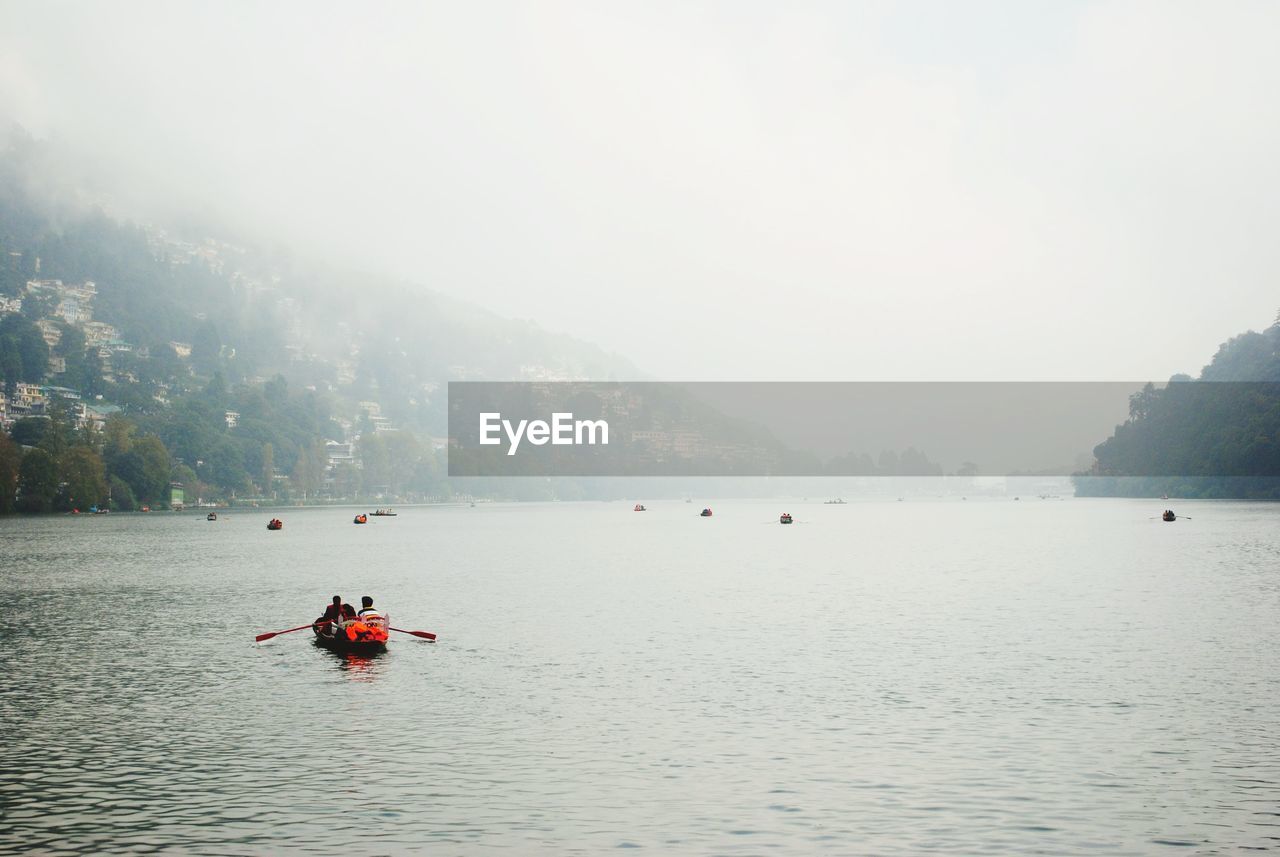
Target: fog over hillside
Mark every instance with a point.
(742, 191)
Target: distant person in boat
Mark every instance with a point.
(333, 612)
(366, 607)
(337, 611)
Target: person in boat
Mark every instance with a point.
(370, 627)
(331, 616)
(333, 612)
(338, 611)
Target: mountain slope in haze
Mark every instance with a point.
(1215, 436)
(358, 335)
(244, 362)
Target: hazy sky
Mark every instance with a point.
(951, 190)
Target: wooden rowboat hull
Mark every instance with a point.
(340, 643)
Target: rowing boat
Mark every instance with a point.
(363, 636)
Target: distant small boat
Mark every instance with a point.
(639, 508)
(384, 513)
(839, 501)
(361, 519)
(275, 524)
(785, 519)
(212, 516)
(705, 513)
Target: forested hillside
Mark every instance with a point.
(1216, 436)
(252, 374)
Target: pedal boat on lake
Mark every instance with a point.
(705, 513)
(275, 524)
(364, 636)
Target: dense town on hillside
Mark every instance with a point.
(261, 375)
(253, 394)
(71, 378)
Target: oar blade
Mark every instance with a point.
(426, 635)
(268, 636)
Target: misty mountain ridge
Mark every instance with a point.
(262, 372)
(1214, 436)
(200, 303)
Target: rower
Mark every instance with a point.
(366, 607)
(333, 612)
(328, 621)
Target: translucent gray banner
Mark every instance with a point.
(853, 429)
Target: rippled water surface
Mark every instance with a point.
(984, 677)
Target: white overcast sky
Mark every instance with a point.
(863, 191)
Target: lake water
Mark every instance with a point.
(1057, 677)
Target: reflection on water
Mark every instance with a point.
(957, 677)
(357, 667)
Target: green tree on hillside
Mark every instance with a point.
(37, 481)
(268, 469)
(24, 355)
(164, 366)
(59, 432)
(376, 461)
(84, 364)
(307, 476)
(83, 479)
(226, 466)
(122, 499)
(28, 431)
(145, 468)
(1218, 436)
(10, 466)
(117, 438)
(276, 392)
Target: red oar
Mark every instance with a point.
(261, 637)
(426, 635)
